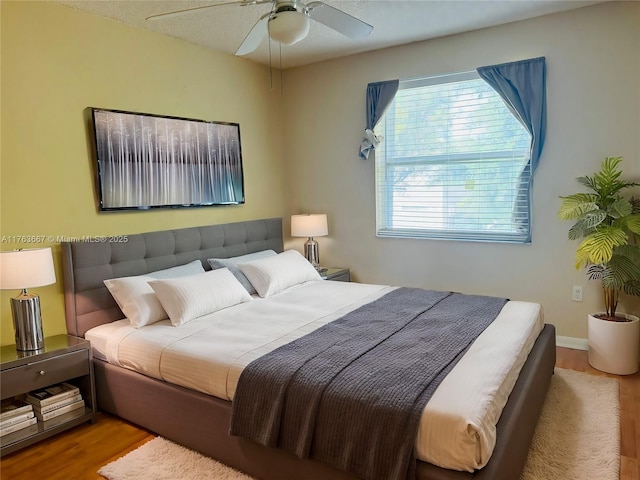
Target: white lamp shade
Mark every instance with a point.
(288, 27)
(26, 268)
(309, 225)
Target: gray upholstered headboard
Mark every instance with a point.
(88, 303)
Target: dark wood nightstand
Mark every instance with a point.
(63, 359)
(336, 274)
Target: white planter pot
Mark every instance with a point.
(614, 347)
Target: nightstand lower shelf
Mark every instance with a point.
(38, 431)
(64, 359)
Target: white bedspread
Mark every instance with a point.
(457, 429)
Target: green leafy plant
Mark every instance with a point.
(608, 223)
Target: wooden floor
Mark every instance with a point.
(80, 452)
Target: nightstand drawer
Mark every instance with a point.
(344, 277)
(44, 373)
(336, 274)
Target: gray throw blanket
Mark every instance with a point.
(352, 392)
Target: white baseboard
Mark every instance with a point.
(572, 342)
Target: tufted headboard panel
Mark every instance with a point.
(88, 303)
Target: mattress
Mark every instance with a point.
(457, 429)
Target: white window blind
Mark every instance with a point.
(453, 163)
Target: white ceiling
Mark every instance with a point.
(395, 22)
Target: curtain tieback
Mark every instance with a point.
(369, 142)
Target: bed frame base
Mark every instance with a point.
(201, 422)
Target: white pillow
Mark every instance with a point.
(191, 297)
(232, 265)
(137, 299)
(272, 275)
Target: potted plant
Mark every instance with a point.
(608, 224)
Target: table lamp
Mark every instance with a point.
(19, 270)
(310, 225)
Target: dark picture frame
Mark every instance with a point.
(151, 161)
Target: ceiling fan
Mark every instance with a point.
(288, 21)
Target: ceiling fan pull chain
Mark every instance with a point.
(270, 64)
(281, 73)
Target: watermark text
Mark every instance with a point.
(37, 239)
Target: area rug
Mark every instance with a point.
(577, 437)
(578, 433)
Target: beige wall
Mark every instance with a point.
(58, 61)
(593, 99)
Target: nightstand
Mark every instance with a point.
(336, 274)
(63, 359)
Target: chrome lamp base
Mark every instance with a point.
(27, 322)
(312, 252)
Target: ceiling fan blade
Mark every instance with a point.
(255, 36)
(338, 20)
(176, 13)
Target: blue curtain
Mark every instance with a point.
(522, 86)
(379, 97)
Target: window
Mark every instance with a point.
(454, 163)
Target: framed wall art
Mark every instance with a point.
(149, 161)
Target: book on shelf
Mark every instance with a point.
(18, 426)
(60, 419)
(10, 407)
(21, 417)
(18, 435)
(67, 408)
(52, 394)
(55, 406)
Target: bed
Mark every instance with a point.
(200, 420)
